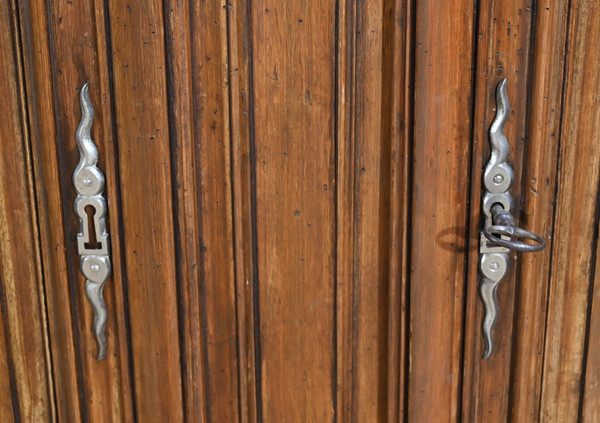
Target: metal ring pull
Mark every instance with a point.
(504, 226)
(500, 233)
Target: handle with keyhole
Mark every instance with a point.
(91, 207)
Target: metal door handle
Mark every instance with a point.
(499, 234)
(90, 206)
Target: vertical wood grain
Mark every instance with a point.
(34, 31)
(539, 188)
(590, 394)
(210, 96)
(6, 400)
(443, 61)
(503, 51)
(370, 260)
(142, 134)
(398, 108)
(178, 39)
(372, 147)
(293, 74)
(242, 159)
(345, 118)
(24, 332)
(572, 261)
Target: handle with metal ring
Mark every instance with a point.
(504, 225)
(499, 234)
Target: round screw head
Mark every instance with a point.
(498, 179)
(87, 182)
(95, 268)
(494, 265)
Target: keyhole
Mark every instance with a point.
(93, 243)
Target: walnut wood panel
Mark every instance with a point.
(293, 139)
(242, 153)
(142, 136)
(372, 147)
(345, 110)
(442, 119)
(294, 193)
(6, 401)
(398, 112)
(503, 51)
(539, 188)
(590, 395)
(25, 362)
(574, 237)
(211, 195)
(212, 135)
(184, 166)
(42, 131)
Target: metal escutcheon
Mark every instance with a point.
(91, 207)
(499, 234)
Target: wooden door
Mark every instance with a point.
(294, 193)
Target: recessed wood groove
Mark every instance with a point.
(254, 225)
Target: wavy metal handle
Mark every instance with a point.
(90, 206)
(499, 226)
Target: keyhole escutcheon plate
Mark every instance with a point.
(91, 207)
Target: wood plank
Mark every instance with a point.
(442, 118)
(539, 188)
(208, 108)
(242, 158)
(370, 255)
(503, 51)
(590, 394)
(398, 34)
(295, 210)
(210, 140)
(572, 261)
(372, 146)
(79, 54)
(6, 400)
(142, 135)
(178, 36)
(42, 125)
(24, 333)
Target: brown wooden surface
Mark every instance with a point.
(211, 139)
(538, 192)
(142, 134)
(590, 398)
(372, 149)
(7, 411)
(442, 118)
(246, 271)
(24, 334)
(576, 210)
(42, 126)
(293, 141)
(294, 193)
(184, 170)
